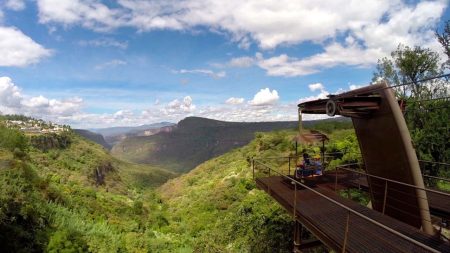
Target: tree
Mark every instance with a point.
(444, 39)
(408, 65)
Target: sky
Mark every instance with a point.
(103, 63)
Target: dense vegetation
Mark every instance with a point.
(51, 200)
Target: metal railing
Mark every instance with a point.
(270, 171)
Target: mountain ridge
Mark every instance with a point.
(193, 141)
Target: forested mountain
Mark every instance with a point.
(192, 142)
(195, 140)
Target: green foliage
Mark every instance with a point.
(331, 126)
(444, 40)
(12, 139)
(408, 65)
(356, 195)
(62, 241)
(22, 209)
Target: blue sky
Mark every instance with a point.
(92, 63)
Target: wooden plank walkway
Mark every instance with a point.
(439, 204)
(328, 221)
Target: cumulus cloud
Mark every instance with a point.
(316, 86)
(242, 62)
(110, 64)
(234, 101)
(19, 50)
(268, 23)
(104, 42)
(206, 72)
(91, 14)
(70, 111)
(184, 105)
(373, 28)
(16, 5)
(13, 101)
(10, 96)
(265, 97)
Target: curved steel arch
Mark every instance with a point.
(387, 150)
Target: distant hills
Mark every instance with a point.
(193, 141)
(113, 135)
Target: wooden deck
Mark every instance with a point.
(327, 221)
(439, 204)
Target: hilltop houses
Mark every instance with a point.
(36, 126)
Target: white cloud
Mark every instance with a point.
(91, 14)
(242, 62)
(177, 106)
(110, 64)
(10, 96)
(207, 72)
(234, 101)
(12, 101)
(19, 50)
(316, 86)
(354, 87)
(16, 5)
(374, 28)
(265, 97)
(268, 23)
(69, 111)
(104, 42)
(334, 54)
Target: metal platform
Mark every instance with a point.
(339, 228)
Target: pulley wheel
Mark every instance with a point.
(330, 108)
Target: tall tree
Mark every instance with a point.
(444, 39)
(408, 65)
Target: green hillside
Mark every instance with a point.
(74, 197)
(216, 207)
(192, 142)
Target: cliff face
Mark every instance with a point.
(95, 137)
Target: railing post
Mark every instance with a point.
(289, 165)
(344, 245)
(335, 179)
(253, 168)
(385, 195)
(295, 200)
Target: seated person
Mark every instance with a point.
(306, 159)
(318, 165)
